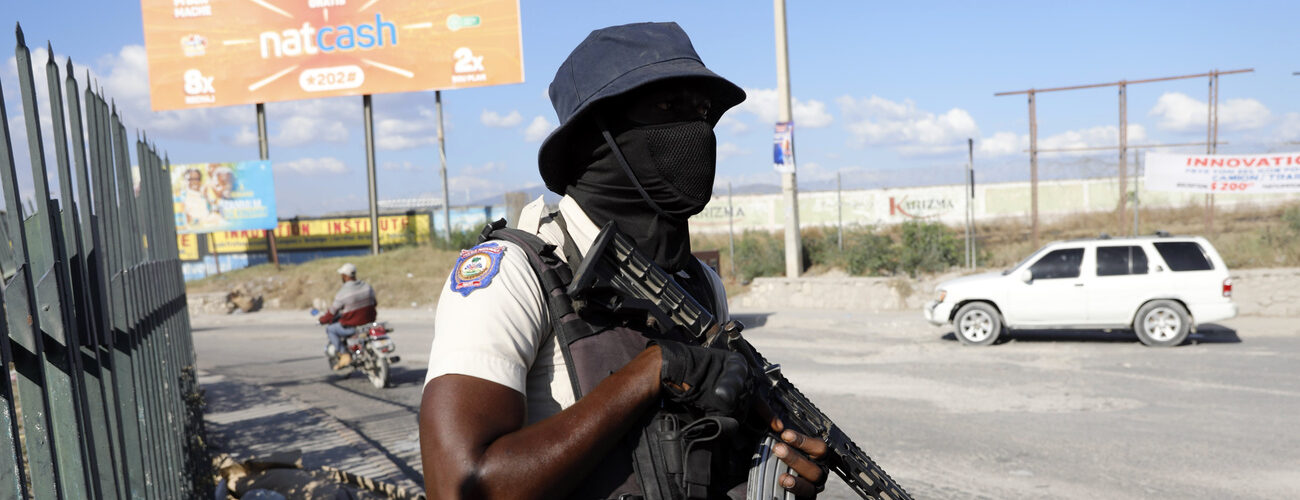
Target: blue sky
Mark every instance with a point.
(885, 93)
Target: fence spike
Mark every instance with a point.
(19, 29)
(69, 67)
(49, 52)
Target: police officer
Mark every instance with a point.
(635, 146)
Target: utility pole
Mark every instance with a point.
(731, 231)
(970, 203)
(442, 156)
(839, 212)
(789, 185)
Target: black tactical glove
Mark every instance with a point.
(713, 380)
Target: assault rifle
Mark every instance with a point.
(619, 278)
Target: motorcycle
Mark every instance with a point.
(372, 352)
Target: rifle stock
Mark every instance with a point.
(613, 264)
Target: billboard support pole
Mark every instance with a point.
(265, 154)
(370, 173)
(442, 157)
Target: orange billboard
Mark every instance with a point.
(205, 53)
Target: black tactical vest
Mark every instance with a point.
(670, 454)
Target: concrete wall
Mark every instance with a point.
(945, 204)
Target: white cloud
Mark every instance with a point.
(1182, 113)
(538, 129)
(482, 170)
(876, 121)
(1009, 143)
(297, 123)
(728, 122)
(395, 133)
(496, 120)
(1288, 130)
(245, 136)
(1099, 136)
(466, 188)
(1002, 143)
(313, 166)
(729, 150)
(300, 130)
(764, 104)
(121, 76)
(402, 166)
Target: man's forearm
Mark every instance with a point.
(543, 460)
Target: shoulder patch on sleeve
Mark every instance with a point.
(476, 267)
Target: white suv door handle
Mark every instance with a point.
(1078, 284)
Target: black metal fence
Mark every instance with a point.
(104, 403)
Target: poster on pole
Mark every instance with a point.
(783, 148)
(1249, 174)
(211, 197)
(204, 53)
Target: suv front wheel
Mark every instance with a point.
(977, 323)
(1162, 323)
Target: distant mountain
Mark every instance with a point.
(531, 193)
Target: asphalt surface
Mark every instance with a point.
(1043, 415)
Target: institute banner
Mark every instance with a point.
(1267, 173)
(205, 53)
(211, 197)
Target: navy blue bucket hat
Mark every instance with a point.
(614, 61)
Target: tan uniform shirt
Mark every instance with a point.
(501, 332)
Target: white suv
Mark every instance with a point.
(1159, 286)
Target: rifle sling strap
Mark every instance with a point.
(555, 277)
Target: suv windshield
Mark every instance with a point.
(1018, 264)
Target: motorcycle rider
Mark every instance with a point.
(354, 305)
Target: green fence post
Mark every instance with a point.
(58, 341)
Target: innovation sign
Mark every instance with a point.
(205, 53)
(1267, 173)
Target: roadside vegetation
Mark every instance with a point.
(1246, 237)
(412, 276)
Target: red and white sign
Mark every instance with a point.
(1266, 173)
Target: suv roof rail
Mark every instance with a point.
(1162, 234)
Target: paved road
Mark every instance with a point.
(1081, 415)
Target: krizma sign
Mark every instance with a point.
(206, 53)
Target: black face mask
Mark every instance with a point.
(667, 176)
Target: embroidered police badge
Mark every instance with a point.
(476, 267)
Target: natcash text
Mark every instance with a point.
(309, 40)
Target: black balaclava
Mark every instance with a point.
(665, 176)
